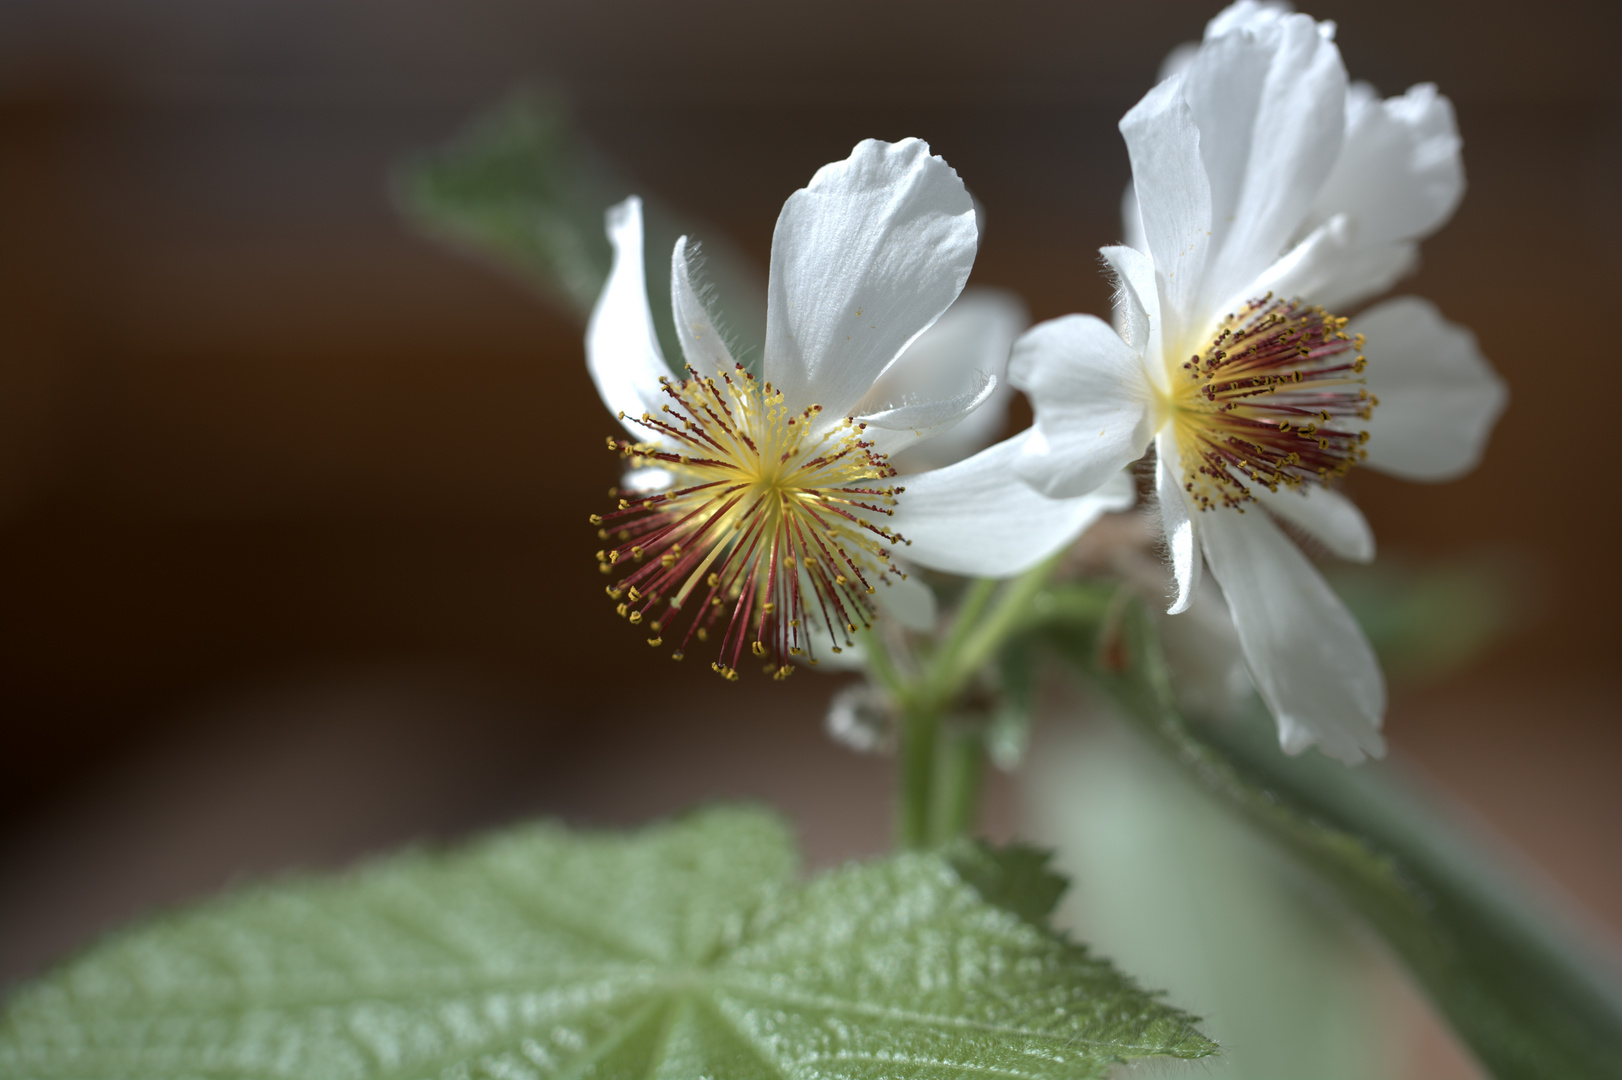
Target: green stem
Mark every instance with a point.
(957, 796)
(940, 787)
(978, 645)
(919, 730)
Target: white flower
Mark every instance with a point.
(1259, 175)
(761, 508)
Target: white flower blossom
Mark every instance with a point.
(761, 508)
(1266, 189)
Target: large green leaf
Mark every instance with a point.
(1527, 1000)
(687, 950)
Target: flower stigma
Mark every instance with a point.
(769, 522)
(1269, 401)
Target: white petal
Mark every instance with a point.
(864, 259)
(1365, 272)
(953, 358)
(1174, 200)
(908, 601)
(1324, 514)
(1203, 654)
(1439, 398)
(1400, 174)
(976, 518)
(1269, 99)
(1308, 658)
(1091, 398)
(622, 350)
(706, 353)
(647, 480)
(1182, 541)
(1136, 306)
(1245, 15)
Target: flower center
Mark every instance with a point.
(767, 525)
(1271, 401)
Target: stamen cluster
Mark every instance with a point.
(772, 522)
(1271, 400)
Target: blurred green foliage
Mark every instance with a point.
(523, 189)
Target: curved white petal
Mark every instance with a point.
(1400, 174)
(1092, 402)
(1324, 514)
(1132, 234)
(1308, 658)
(976, 518)
(622, 350)
(954, 358)
(1268, 96)
(703, 347)
(864, 259)
(1174, 200)
(1439, 397)
(908, 601)
(1182, 539)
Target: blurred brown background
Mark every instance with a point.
(292, 501)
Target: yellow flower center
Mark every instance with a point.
(766, 524)
(1272, 400)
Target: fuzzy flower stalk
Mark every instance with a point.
(1269, 197)
(763, 510)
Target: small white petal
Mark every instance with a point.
(1137, 306)
(908, 601)
(706, 353)
(1439, 398)
(622, 349)
(1092, 402)
(864, 259)
(1182, 539)
(1269, 99)
(1324, 514)
(1308, 658)
(976, 518)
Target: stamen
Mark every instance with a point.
(766, 506)
(1272, 400)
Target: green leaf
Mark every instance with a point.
(1016, 878)
(683, 951)
(525, 190)
(1529, 1002)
